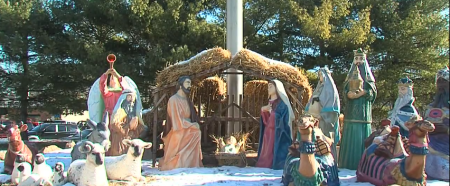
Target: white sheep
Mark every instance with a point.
(59, 177)
(15, 172)
(127, 166)
(41, 167)
(35, 180)
(24, 169)
(91, 171)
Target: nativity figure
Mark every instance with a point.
(181, 133)
(275, 128)
(359, 94)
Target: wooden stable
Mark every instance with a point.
(214, 123)
(212, 107)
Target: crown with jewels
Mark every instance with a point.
(359, 52)
(443, 73)
(405, 82)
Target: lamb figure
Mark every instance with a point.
(91, 171)
(24, 169)
(127, 167)
(15, 172)
(41, 167)
(59, 177)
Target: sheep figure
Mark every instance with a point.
(24, 169)
(35, 180)
(100, 134)
(41, 167)
(91, 171)
(15, 172)
(127, 167)
(59, 177)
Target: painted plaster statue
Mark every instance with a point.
(397, 167)
(126, 122)
(181, 134)
(310, 161)
(359, 94)
(403, 108)
(437, 166)
(276, 128)
(105, 92)
(230, 145)
(325, 106)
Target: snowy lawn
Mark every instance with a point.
(228, 176)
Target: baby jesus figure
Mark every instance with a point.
(230, 145)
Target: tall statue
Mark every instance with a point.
(359, 94)
(325, 106)
(106, 91)
(126, 122)
(181, 133)
(403, 108)
(276, 128)
(437, 166)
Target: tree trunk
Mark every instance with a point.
(24, 88)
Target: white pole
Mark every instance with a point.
(234, 45)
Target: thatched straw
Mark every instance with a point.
(210, 88)
(200, 62)
(256, 91)
(276, 69)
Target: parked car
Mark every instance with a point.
(55, 130)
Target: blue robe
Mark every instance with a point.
(283, 137)
(405, 114)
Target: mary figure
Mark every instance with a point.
(276, 128)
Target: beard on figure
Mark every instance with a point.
(403, 108)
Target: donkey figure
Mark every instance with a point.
(17, 146)
(386, 163)
(100, 134)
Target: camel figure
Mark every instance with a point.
(387, 162)
(310, 161)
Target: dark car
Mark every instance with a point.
(54, 130)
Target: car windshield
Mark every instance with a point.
(39, 127)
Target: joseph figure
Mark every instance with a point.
(325, 106)
(181, 134)
(359, 94)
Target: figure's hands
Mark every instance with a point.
(133, 123)
(351, 95)
(267, 108)
(114, 73)
(196, 125)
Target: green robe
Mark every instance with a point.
(357, 126)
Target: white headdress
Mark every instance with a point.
(283, 96)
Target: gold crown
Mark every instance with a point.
(359, 52)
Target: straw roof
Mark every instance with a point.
(214, 61)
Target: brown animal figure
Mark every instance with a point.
(16, 146)
(401, 170)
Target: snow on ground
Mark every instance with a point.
(215, 176)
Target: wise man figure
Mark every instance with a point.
(325, 106)
(111, 87)
(181, 133)
(276, 128)
(437, 166)
(403, 108)
(359, 94)
(127, 123)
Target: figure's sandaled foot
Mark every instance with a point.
(130, 179)
(322, 147)
(405, 142)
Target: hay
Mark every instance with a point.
(212, 88)
(256, 92)
(282, 71)
(199, 63)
